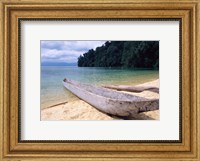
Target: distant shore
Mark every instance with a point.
(80, 110)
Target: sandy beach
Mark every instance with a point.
(80, 110)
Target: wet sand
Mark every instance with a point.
(80, 110)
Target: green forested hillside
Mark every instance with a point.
(136, 54)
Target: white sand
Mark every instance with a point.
(80, 110)
(76, 110)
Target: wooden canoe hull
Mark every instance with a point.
(112, 106)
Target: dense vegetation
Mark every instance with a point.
(137, 54)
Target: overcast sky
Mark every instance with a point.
(65, 51)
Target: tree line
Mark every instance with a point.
(133, 54)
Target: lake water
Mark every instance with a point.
(53, 92)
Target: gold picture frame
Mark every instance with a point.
(14, 149)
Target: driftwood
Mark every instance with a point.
(57, 104)
(132, 88)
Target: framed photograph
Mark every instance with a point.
(99, 80)
(91, 68)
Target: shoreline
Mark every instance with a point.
(80, 110)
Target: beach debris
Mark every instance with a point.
(132, 88)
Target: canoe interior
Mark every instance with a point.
(101, 91)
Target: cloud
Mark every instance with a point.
(66, 51)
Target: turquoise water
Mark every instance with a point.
(53, 92)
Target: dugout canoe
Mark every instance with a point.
(110, 101)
